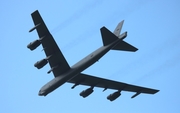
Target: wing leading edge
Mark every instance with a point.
(54, 55)
(88, 80)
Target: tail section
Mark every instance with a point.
(124, 46)
(108, 37)
(117, 31)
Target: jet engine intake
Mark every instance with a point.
(41, 63)
(33, 45)
(114, 96)
(86, 92)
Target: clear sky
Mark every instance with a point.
(153, 26)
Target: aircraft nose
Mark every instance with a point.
(41, 93)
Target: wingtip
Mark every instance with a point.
(103, 27)
(36, 11)
(157, 91)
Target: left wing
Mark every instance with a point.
(54, 55)
(88, 80)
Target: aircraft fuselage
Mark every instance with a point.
(78, 67)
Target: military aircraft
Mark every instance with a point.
(64, 73)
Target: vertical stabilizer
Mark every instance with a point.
(118, 28)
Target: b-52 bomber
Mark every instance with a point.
(64, 73)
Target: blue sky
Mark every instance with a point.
(152, 26)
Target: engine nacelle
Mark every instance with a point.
(114, 96)
(86, 92)
(41, 63)
(33, 45)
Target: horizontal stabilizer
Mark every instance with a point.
(107, 36)
(124, 46)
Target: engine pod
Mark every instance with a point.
(114, 96)
(40, 64)
(86, 92)
(33, 45)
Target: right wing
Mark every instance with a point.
(56, 59)
(88, 80)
